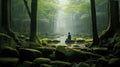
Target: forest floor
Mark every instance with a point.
(53, 53)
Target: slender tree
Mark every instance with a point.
(33, 24)
(94, 24)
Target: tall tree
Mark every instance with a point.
(6, 19)
(114, 25)
(94, 24)
(33, 24)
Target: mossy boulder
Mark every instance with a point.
(29, 54)
(80, 41)
(56, 41)
(6, 40)
(60, 64)
(100, 51)
(114, 62)
(45, 65)
(102, 62)
(46, 51)
(82, 64)
(8, 62)
(26, 64)
(79, 56)
(9, 52)
(39, 61)
(61, 53)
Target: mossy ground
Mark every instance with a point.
(59, 56)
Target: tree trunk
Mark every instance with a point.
(5, 15)
(114, 25)
(94, 24)
(6, 19)
(33, 24)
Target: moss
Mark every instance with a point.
(5, 40)
(102, 62)
(101, 51)
(46, 51)
(9, 52)
(60, 64)
(78, 55)
(114, 62)
(61, 53)
(27, 64)
(42, 60)
(82, 64)
(45, 65)
(8, 62)
(56, 41)
(39, 61)
(29, 54)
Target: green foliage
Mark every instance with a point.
(8, 62)
(29, 54)
(60, 64)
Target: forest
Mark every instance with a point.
(59, 33)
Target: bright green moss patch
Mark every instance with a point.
(42, 61)
(60, 64)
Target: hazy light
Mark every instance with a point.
(61, 19)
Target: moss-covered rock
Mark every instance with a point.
(45, 65)
(79, 56)
(9, 52)
(102, 62)
(60, 64)
(8, 62)
(39, 61)
(29, 54)
(80, 41)
(26, 64)
(82, 64)
(46, 51)
(56, 41)
(6, 40)
(61, 53)
(100, 51)
(114, 62)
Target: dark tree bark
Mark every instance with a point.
(114, 25)
(94, 24)
(5, 15)
(33, 24)
(6, 19)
